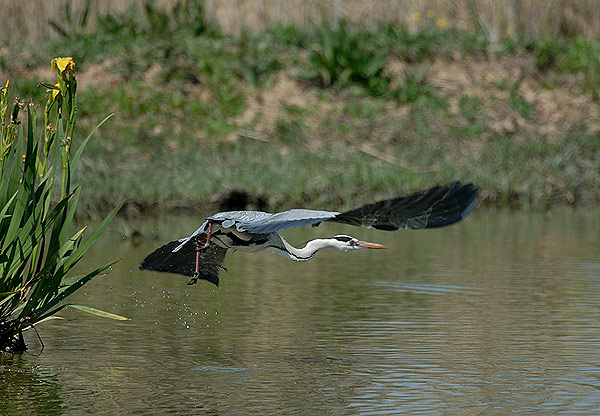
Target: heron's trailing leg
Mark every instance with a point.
(199, 246)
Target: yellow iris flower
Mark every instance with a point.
(55, 91)
(63, 64)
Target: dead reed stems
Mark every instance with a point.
(27, 21)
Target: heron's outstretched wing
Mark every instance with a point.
(435, 207)
(183, 261)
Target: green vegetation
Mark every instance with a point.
(323, 117)
(343, 57)
(37, 204)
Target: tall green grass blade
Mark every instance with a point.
(8, 296)
(65, 248)
(80, 251)
(77, 155)
(50, 318)
(98, 312)
(41, 208)
(10, 177)
(54, 152)
(7, 206)
(61, 229)
(8, 256)
(16, 218)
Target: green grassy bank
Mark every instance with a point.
(325, 117)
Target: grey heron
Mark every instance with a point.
(202, 254)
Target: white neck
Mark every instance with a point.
(306, 253)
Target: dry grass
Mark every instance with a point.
(27, 21)
(555, 111)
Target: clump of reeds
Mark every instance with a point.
(343, 57)
(37, 248)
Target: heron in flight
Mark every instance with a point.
(202, 254)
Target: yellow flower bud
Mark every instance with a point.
(440, 22)
(416, 16)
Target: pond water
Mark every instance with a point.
(498, 314)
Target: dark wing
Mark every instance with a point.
(183, 261)
(435, 207)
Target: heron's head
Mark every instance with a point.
(347, 243)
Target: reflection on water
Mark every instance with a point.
(495, 315)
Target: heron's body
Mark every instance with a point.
(229, 238)
(202, 254)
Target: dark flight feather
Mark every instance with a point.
(435, 207)
(183, 261)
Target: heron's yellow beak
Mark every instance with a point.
(366, 244)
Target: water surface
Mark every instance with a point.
(495, 315)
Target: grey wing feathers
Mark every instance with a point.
(287, 219)
(435, 207)
(227, 219)
(240, 216)
(259, 222)
(183, 261)
(183, 241)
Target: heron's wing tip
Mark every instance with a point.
(435, 207)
